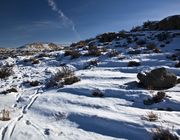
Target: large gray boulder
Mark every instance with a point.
(158, 78)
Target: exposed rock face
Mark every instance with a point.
(158, 78)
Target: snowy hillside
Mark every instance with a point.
(90, 91)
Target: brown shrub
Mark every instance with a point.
(5, 72)
(173, 57)
(121, 57)
(9, 91)
(71, 80)
(155, 99)
(151, 46)
(151, 116)
(177, 65)
(5, 115)
(94, 51)
(133, 64)
(157, 50)
(74, 54)
(32, 61)
(97, 93)
(91, 63)
(140, 42)
(134, 52)
(35, 61)
(107, 37)
(113, 53)
(65, 76)
(164, 134)
(163, 36)
(43, 55)
(34, 83)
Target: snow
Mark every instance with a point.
(72, 113)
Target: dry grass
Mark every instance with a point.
(5, 115)
(151, 116)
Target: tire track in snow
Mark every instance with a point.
(7, 131)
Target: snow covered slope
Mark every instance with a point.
(72, 112)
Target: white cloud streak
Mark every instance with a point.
(66, 20)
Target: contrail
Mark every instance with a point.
(65, 19)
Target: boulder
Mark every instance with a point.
(158, 78)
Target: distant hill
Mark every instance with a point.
(40, 46)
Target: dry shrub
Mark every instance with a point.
(113, 53)
(163, 134)
(163, 36)
(162, 45)
(177, 65)
(157, 50)
(97, 93)
(140, 42)
(134, 52)
(5, 115)
(65, 76)
(33, 83)
(32, 61)
(43, 55)
(133, 64)
(159, 97)
(74, 54)
(9, 91)
(173, 57)
(155, 99)
(70, 80)
(94, 51)
(5, 72)
(91, 64)
(121, 57)
(151, 116)
(35, 61)
(151, 46)
(107, 37)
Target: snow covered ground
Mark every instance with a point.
(72, 113)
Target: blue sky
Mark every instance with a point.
(25, 21)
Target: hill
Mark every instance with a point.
(168, 23)
(117, 85)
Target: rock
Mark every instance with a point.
(158, 78)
